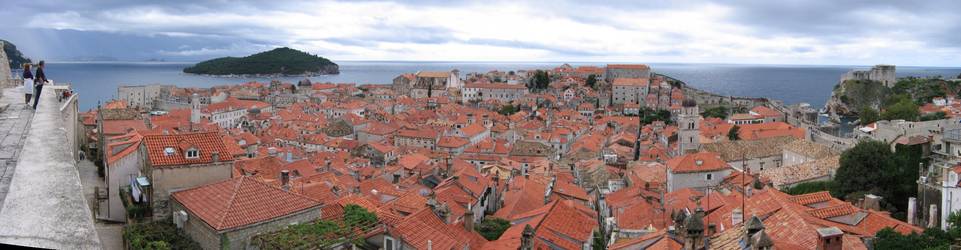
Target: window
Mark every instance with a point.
(388, 243)
(709, 176)
(169, 151)
(193, 153)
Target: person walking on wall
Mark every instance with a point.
(39, 80)
(27, 84)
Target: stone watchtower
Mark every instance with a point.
(688, 122)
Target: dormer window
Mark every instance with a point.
(193, 153)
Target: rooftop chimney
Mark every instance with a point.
(285, 179)
(872, 202)
(527, 238)
(215, 156)
(829, 238)
(737, 216)
(469, 218)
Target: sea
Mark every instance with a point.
(97, 82)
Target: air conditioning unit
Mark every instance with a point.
(180, 217)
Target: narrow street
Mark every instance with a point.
(111, 234)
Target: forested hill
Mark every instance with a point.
(16, 58)
(279, 61)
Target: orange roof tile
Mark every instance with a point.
(240, 202)
(206, 143)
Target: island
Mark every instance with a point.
(277, 62)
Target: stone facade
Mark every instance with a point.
(689, 122)
(166, 180)
(884, 74)
(143, 96)
(696, 180)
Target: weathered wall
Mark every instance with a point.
(167, 180)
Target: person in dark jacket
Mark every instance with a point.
(38, 81)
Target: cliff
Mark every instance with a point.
(281, 61)
(851, 96)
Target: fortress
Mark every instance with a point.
(881, 73)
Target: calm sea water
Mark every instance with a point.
(790, 83)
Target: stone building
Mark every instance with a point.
(226, 214)
(881, 73)
(144, 96)
(180, 161)
(627, 71)
(494, 91)
(699, 171)
(630, 90)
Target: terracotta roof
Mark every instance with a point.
(638, 82)
(736, 150)
(697, 162)
(803, 172)
(206, 143)
(442, 74)
(241, 201)
(810, 149)
(628, 66)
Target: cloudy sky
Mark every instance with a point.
(923, 33)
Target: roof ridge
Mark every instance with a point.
(230, 202)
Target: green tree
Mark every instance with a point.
(862, 168)
(733, 134)
(598, 243)
(718, 112)
(809, 187)
(539, 81)
(934, 116)
(868, 115)
(931, 238)
(508, 109)
(591, 80)
(871, 167)
(492, 228)
(904, 109)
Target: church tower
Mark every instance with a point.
(688, 122)
(194, 109)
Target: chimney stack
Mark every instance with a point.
(872, 202)
(527, 238)
(469, 218)
(830, 238)
(912, 210)
(215, 156)
(285, 179)
(737, 216)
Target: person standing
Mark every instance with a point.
(39, 80)
(27, 84)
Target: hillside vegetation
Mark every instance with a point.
(280, 61)
(16, 58)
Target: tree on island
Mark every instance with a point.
(868, 116)
(733, 134)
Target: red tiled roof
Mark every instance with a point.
(207, 143)
(240, 201)
(639, 82)
(697, 162)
